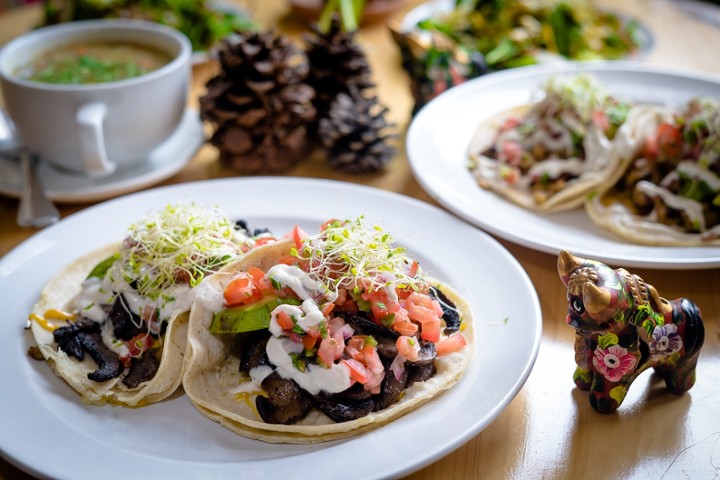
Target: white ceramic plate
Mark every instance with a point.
(440, 133)
(162, 163)
(48, 431)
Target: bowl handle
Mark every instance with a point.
(90, 117)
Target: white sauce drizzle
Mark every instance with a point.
(693, 170)
(307, 316)
(296, 279)
(315, 378)
(692, 208)
(555, 167)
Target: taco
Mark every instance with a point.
(548, 155)
(667, 189)
(113, 324)
(322, 337)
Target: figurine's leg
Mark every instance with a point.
(583, 378)
(680, 377)
(583, 375)
(601, 395)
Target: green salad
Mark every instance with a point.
(463, 39)
(200, 20)
(512, 33)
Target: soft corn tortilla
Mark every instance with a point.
(599, 160)
(57, 294)
(609, 211)
(211, 373)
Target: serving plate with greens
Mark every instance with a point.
(446, 42)
(204, 22)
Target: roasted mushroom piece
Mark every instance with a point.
(286, 402)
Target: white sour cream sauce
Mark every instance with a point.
(97, 292)
(308, 315)
(315, 378)
(692, 208)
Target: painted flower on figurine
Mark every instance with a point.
(665, 340)
(613, 362)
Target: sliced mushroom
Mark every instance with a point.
(254, 353)
(342, 409)
(450, 312)
(126, 324)
(368, 327)
(108, 362)
(391, 388)
(66, 337)
(426, 355)
(142, 369)
(286, 402)
(419, 373)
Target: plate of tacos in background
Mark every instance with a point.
(549, 154)
(666, 190)
(170, 438)
(442, 132)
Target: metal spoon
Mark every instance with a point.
(35, 209)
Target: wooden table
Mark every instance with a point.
(549, 430)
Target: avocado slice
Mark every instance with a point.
(102, 268)
(248, 318)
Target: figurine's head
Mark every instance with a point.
(596, 293)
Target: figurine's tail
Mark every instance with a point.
(681, 376)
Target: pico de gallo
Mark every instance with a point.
(344, 322)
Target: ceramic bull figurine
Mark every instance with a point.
(623, 328)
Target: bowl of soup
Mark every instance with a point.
(94, 96)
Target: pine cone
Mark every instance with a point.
(337, 64)
(355, 134)
(259, 103)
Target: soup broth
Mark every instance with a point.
(96, 62)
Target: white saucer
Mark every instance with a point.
(165, 161)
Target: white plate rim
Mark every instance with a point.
(444, 177)
(41, 246)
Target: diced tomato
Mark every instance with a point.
(600, 119)
(139, 344)
(450, 344)
(241, 290)
(357, 342)
(509, 123)
(357, 370)
(374, 368)
(309, 342)
(670, 141)
(413, 269)
(408, 347)
(330, 350)
(510, 175)
(512, 151)
(283, 319)
(353, 353)
(299, 236)
(264, 240)
(430, 331)
(428, 319)
(327, 308)
(405, 327)
(650, 150)
(325, 225)
(260, 280)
